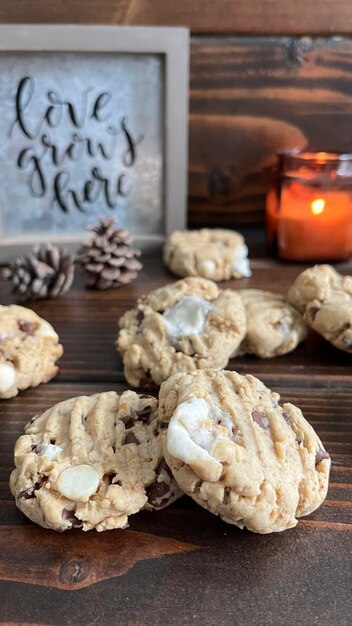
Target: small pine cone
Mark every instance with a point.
(108, 258)
(45, 273)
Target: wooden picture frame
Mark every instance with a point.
(74, 52)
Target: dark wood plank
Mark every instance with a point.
(72, 12)
(223, 16)
(243, 17)
(251, 583)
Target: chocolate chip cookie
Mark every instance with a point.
(184, 326)
(237, 452)
(324, 297)
(274, 327)
(217, 254)
(91, 461)
(29, 349)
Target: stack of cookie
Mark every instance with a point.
(220, 437)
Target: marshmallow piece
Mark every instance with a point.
(207, 267)
(78, 483)
(50, 451)
(193, 433)
(240, 263)
(187, 317)
(46, 330)
(7, 376)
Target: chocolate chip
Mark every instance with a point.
(227, 496)
(70, 516)
(312, 312)
(128, 420)
(261, 420)
(131, 438)
(139, 317)
(158, 493)
(27, 327)
(27, 494)
(286, 417)
(147, 383)
(109, 477)
(320, 455)
(144, 414)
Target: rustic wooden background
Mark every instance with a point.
(264, 75)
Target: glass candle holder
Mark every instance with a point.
(309, 206)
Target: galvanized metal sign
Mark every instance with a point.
(82, 135)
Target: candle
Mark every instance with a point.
(314, 224)
(309, 206)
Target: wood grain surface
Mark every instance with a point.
(267, 17)
(182, 565)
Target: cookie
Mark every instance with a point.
(92, 461)
(184, 326)
(217, 254)
(274, 327)
(29, 349)
(324, 297)
(237, 452)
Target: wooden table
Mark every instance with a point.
(181, 565)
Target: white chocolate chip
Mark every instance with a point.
(7, 376)
(3, 335)
(207, 267)
(46, 330)
(240, 263)
(194, 429)
(187, 317)
(78, 483)
(50, 451)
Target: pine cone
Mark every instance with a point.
(45, 273)
(108, 258)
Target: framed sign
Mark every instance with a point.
(93, 122)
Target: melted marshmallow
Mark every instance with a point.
(194, 429)
(50, 451)
(187, 317)
(46, 330)
(240, 263)
(78, 483)
(7, 376)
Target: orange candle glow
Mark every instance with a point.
(314, 225)
(309, 206)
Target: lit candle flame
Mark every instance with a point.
(317, 206)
